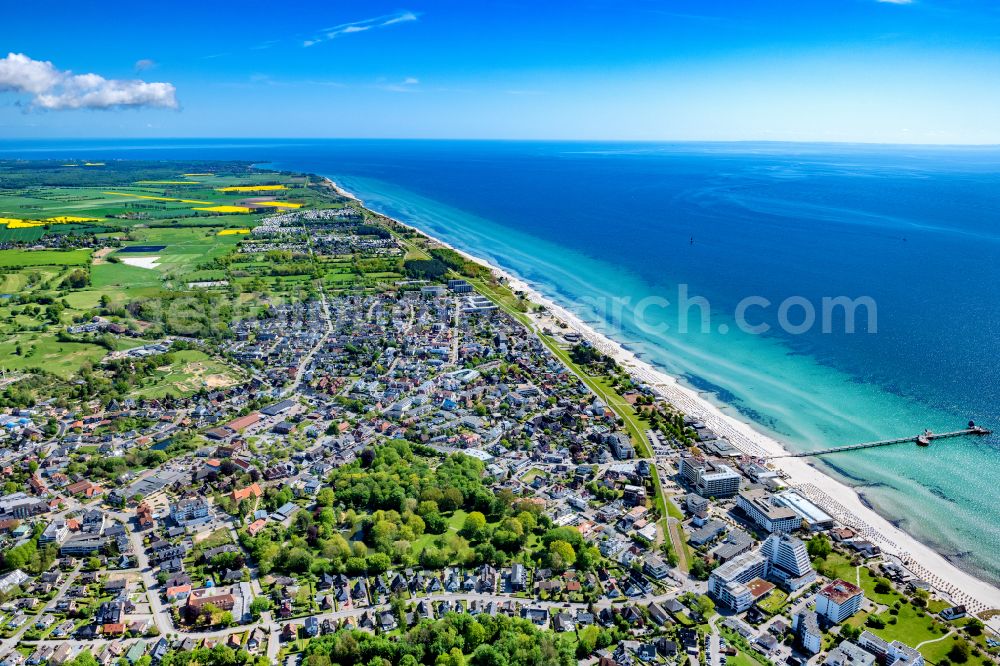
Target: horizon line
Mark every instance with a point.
(509, 140)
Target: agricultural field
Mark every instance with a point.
(21, 258)
(149, 245)
(122, 195)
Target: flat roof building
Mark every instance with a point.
(728, 582)
(806, 509)
(757, 504)
(806, 626)
(849, 654)
(708, 478)
(839, 600)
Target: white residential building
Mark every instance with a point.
(789, 558)
(772, 517)
(728, 583)
(892, 654)
(806, 626)
(189, 510)
(708, 478)
(839, 600)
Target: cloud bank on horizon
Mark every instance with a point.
(53, 89)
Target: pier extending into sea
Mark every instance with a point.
(923, 439)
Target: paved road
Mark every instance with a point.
(455, 333)
(161, 615)
(714, 643)
(327, 325)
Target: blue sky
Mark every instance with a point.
(925, 71)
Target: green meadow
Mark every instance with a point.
(22, 258)
(42, 351)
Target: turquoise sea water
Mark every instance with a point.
(601, 227)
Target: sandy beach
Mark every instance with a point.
(838, 499)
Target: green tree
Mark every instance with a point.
(704, 606)
(258, 606)
(587, 641)
(325, 497)
(454, 657)
(959, 652)
(378, 563)
(819, 547)
(561, 555)
(474, 526)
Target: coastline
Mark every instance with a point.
(838, 499)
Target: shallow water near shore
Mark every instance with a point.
(590, 225)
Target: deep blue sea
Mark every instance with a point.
(613, 231)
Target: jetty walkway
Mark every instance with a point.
(923, 439)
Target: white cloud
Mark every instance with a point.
(56, 89)
(896, 2)
(361, 26)
(144, 64)
(20, 73)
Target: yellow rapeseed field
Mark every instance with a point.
(224, 209)
(282, 204)
(233, 232)
(149, 196)
(17, 223)
(66, 219)
(195, 175)
(251, 188)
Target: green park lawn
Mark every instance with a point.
(837, 565)
(742, 658)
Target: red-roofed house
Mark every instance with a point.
(178, 592)
(253, 490)
(255, 527)
(113, 629)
